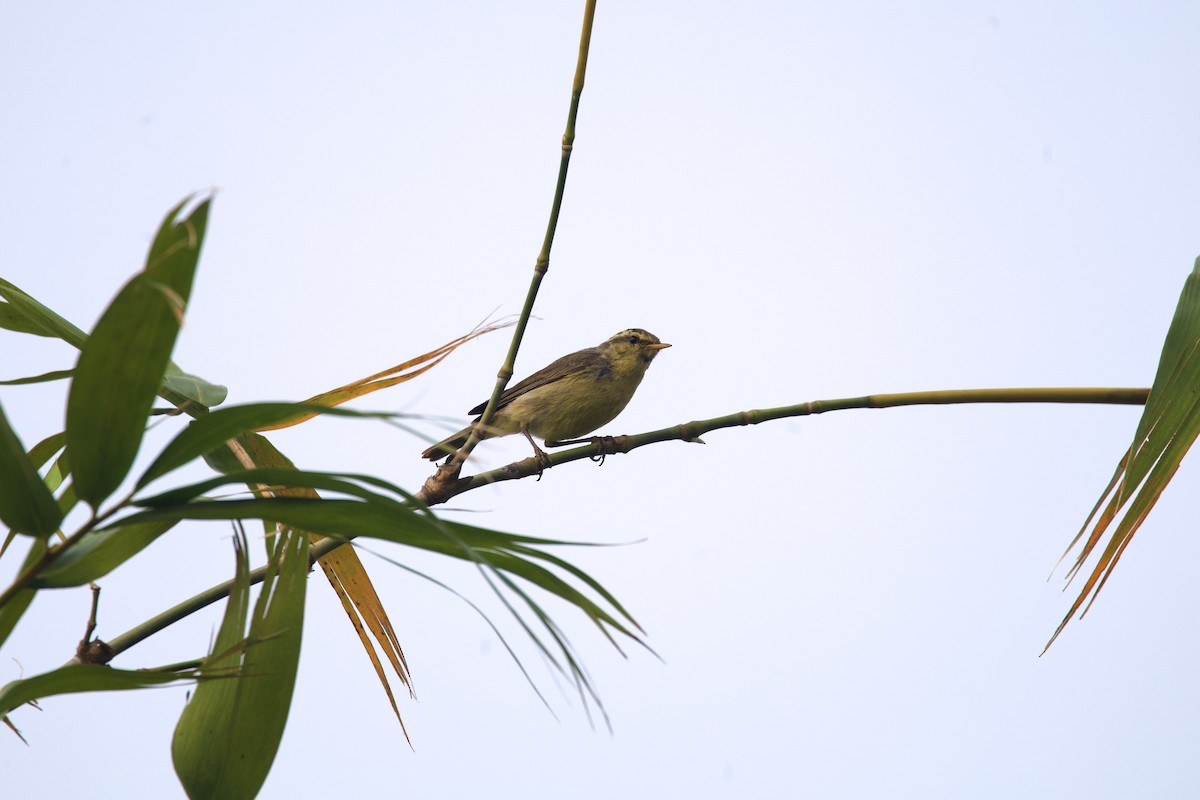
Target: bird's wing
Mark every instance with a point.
(590, 361)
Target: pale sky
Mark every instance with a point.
(809, 201)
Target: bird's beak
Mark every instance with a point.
(659, 346)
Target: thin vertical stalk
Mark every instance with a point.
(542, 266)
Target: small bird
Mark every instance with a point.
(571, 397)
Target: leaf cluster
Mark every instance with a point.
(229, 732)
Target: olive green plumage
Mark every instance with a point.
(571, 397)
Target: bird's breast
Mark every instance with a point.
(576, 405)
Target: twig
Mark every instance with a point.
(93, 651)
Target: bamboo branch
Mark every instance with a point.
(448, 473)
(688, 432)
(599, 447)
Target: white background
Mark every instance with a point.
(808, 201)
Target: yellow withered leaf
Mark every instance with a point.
(389, 377)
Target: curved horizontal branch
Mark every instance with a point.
(438, 491)
(687, 432)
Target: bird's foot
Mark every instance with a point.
(543, 459)
(605, 446)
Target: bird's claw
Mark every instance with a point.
(543, 462)
(605, 446)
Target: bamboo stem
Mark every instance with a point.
(450, 470)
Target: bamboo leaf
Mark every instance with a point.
(13, 320)
(24, 314)
(269, 674)
(352, 584)
(30, 316)
(39, 454)
(392, 376)
(193, 387)
(12, 611)
(379, 517)
(124, 360)
(329, 517)
(76, 678)
(269, 477)
(26, 505)
(199, 748)
(46, 377)
(99, 553)
(1166, 431)
(226, 741)
(256, 449)
(372, 514)
(342, 567)
(210, 431)
(44, 450)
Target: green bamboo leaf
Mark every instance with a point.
(46, 377)
(229, 733)
(209, 432)
(378, 517)
(99, 553)
(1166, 431)
(578, 574)
(11, 611)
(26, 505)
(44, 450)
(274, 476)
(57, 475)
(549, 582)
(193, 387)
(30, 316)
(122, 364)
(25, 315)
(13, 320)
(269, 669)
(328, 517)
(76, 678)
(258, 447)
(372, 515)
(198, 741)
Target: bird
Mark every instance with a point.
(569, 398)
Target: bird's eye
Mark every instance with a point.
(634, 339)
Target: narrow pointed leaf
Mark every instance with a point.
(44, 450)
(13, 320)
(342, 567)
(36, 317)
(269, 672)
(1166, 431)
(272, 477)
(199, 747)
(193, 387)
(382, 518)
(330, 517)
(26, 505)
(352, 584)
(46, 377)
(226, 751)
(210, 431)
(12, 611)
(99, 553)
(392, 376)
(123, 362)
(77, 678)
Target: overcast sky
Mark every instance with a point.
(808, 201)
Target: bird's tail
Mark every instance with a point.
(446, 447)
